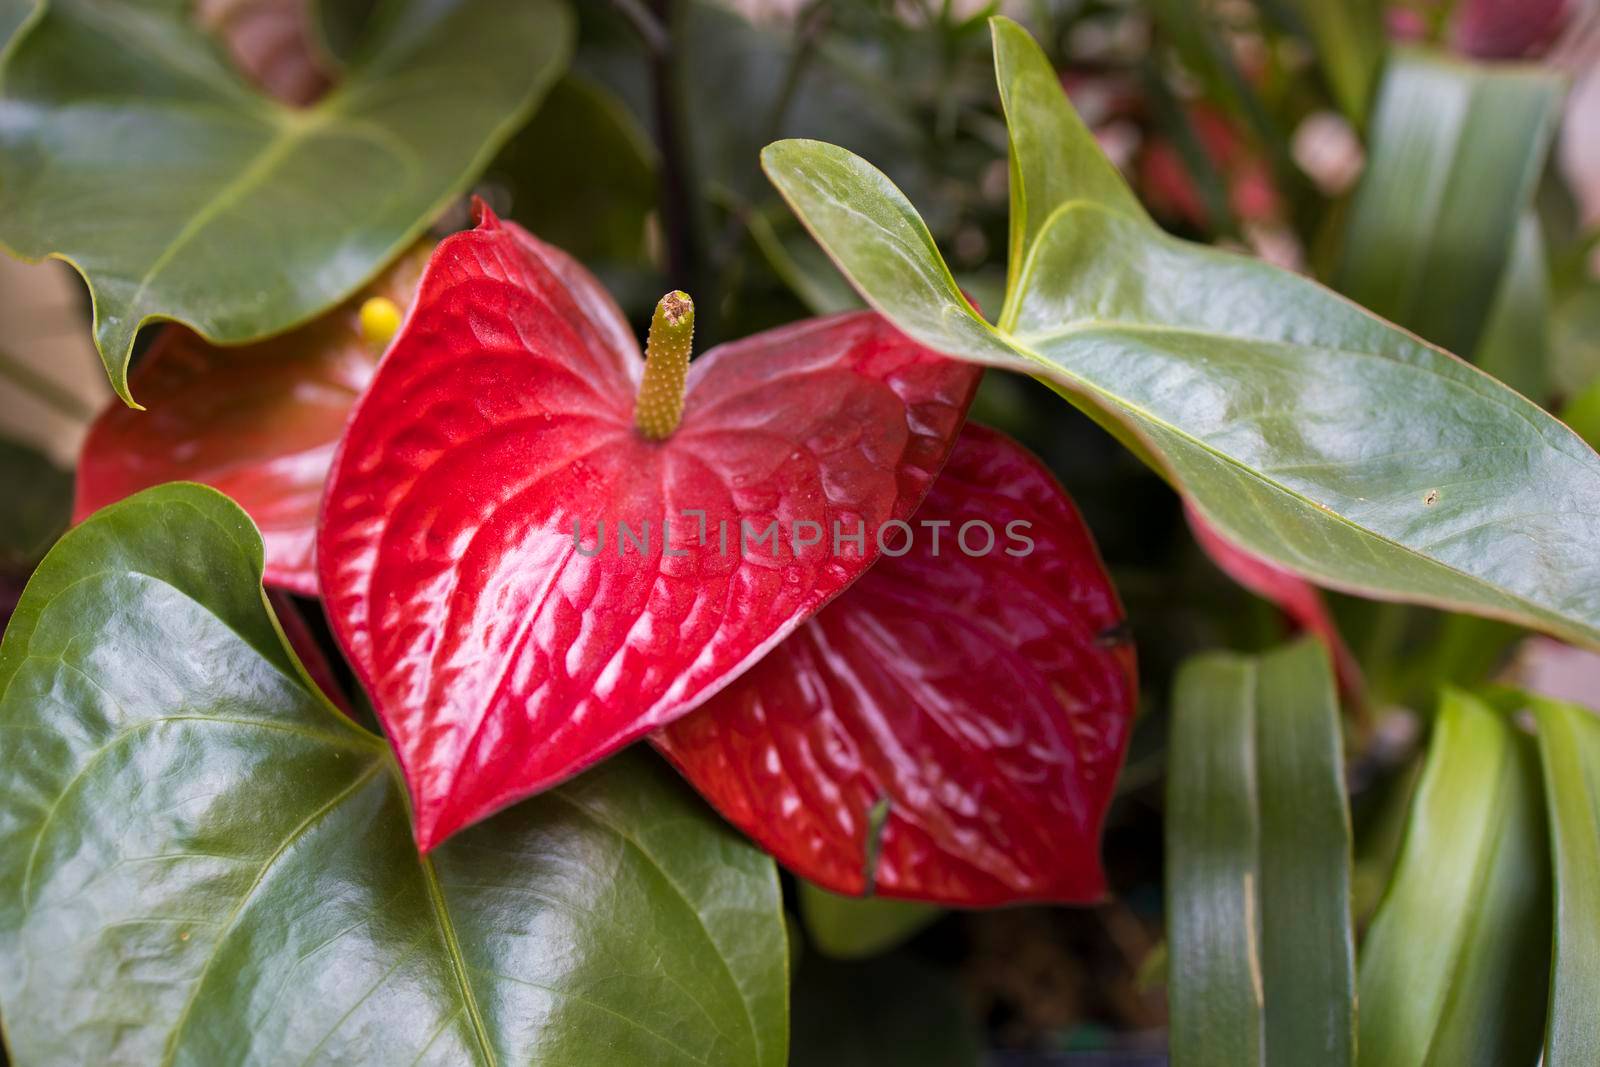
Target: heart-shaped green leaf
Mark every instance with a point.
(1304, 429)
(233, 213)
(208, 864)
(1262, 964)
(1454, 969)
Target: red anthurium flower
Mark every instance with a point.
(527, 577)
(259, 422)
(950, 728)
(1294, 596)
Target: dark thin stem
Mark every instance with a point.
(43, 389)
(808, 30)
(683, 209)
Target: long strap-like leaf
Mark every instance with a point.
(1258, 865)
(1453, 970)
(1569, 749)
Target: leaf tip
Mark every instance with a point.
(483, 216)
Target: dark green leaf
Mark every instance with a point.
(853, 927)
(233, 213)
(1569, 748)
(38, 505)
(208, 864)
(1214, 980)
(1455, 155)
(888, 1012)
(1262, 956)
(1455, 967)
(1305, 430)
(582, 174)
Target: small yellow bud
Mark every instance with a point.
(380, 321)
(659, 406)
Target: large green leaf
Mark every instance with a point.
(131, 149)
(1454, 969)
(1262, 956)
(1306, 430)
(1456, 152)
(1569, 749)
(207, 864)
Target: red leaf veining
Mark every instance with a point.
(986, 698)
(501, 657)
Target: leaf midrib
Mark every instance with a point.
(248, 177)
(1521, 608)
(1021, 343)
(452, 947)
(716, 949)
(1573, 625)
(1482, 863)
(230, 923)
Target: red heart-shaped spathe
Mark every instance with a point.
(259, 422)
(500, 655)
(981, 702)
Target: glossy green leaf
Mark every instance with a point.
(846, 928)
(1569, 751)
(887, 1012)
(1455, 153)
(207, 864)
(38, 504)
(1305, 430)
(1454, 970)
(232, 213)
(1262, 956)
